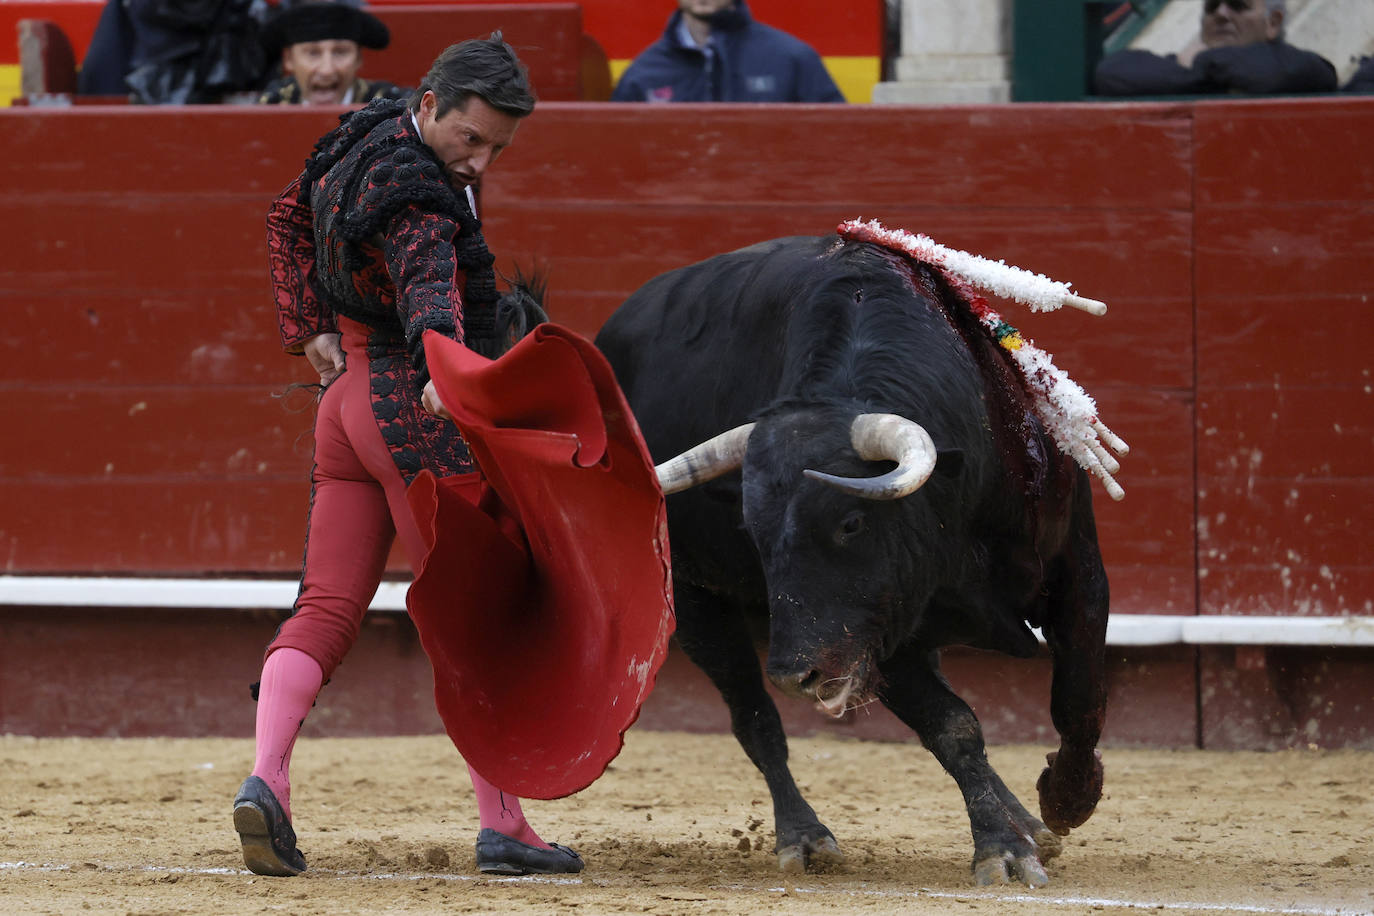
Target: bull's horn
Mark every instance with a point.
(886, 437)
(703, 462)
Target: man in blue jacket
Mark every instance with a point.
(714, 51)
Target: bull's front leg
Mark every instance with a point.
(1076, 631)
(716, 639)
(1009, 843)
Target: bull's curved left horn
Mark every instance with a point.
(700, 463)
(886, 437)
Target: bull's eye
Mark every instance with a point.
(852, 525)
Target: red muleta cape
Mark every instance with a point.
(545, 601)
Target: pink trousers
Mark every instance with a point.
(357, 508)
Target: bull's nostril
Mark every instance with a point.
(797, 683)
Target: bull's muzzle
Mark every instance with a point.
(833, 695)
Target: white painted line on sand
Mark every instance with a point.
(916, 894)
(1104, 902)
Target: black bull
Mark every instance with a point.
(802, 336)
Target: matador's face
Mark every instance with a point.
(467, 139)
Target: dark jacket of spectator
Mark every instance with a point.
(745, 61)
(1267, 67)
(286, 91)
(1362, 80)
(173, 51)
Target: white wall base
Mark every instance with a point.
(279, 594)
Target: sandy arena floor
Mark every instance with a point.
(680, 824)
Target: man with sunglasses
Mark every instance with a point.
(1241, 51)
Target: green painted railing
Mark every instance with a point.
(1056, 44)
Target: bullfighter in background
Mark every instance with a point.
(320, 49)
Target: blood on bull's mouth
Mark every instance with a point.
(834, 680)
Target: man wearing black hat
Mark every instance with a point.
(320, 46)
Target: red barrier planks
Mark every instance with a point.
(144, 337)
(156, 523)
(1268, 698)
(1285, 196)
(1285, 432)
(1293, 525)
(1284, 151)
(989, 157)
(1259, 342)
(115, 433)
(1098, 195)
(197, 246)
(1294, 254)
(59, 154)
(1139, 268)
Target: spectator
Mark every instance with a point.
(1362, 80)
(320, 46)
(1242, 51)
(714, 51)
(166, 52)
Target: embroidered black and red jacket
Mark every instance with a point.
(371, 230)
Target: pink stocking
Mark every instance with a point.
(290, 681)
(501, 812)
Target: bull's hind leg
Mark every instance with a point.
(1076, 631)
(718, 641)
(1009, 843)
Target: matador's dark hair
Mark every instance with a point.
(484, 67)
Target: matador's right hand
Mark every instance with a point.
(430, 400)
(326, 356)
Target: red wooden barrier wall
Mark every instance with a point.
(142, 435)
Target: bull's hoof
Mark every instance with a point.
(1069, 790)
(1009, 868)
(812, 855)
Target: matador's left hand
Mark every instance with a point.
(326, 356)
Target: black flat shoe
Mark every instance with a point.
(269, 843)
(498, 854)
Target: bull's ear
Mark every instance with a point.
(949, 462)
